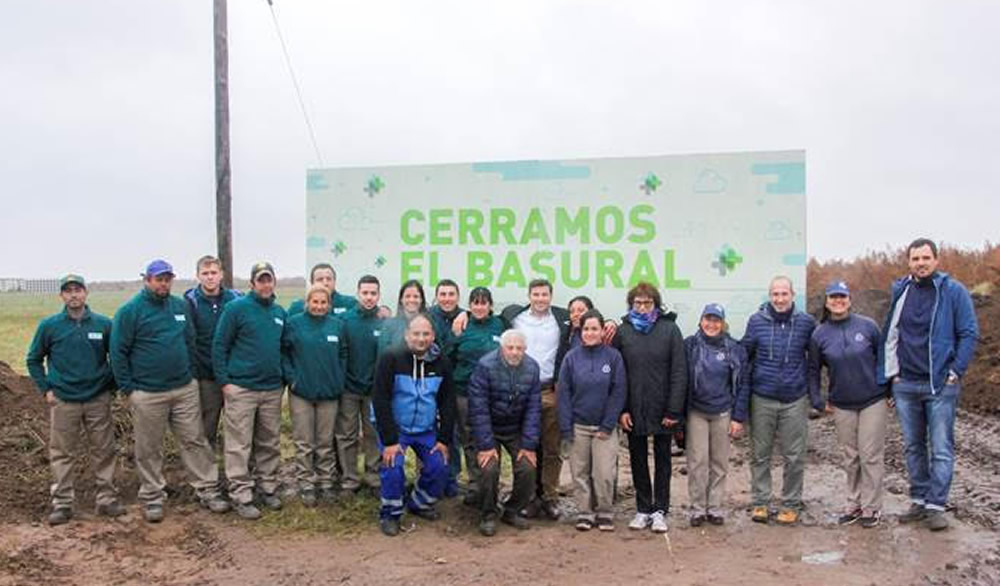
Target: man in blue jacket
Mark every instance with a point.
(414, 403)
(930, 338)
(777, 343)
(505, 409)
(205, 304)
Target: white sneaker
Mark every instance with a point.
(640, 521)
(658, 522)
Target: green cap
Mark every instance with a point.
(71, 278)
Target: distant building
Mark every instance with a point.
(13, 284)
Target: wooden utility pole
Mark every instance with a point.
(223, 171)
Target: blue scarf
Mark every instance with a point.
(643, 322)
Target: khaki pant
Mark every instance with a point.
(352, 418)
(861, 435)
(707, 451)
(67, 422)
(312, 432)
(594, 463)
(180, 410)
(210, 394)
(551, 462)
(252, 421)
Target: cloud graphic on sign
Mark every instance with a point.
(777, 230)
(710, 181)
(354, 219)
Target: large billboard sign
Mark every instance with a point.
(702, 228)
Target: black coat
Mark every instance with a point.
(657, 373)
(562, 318)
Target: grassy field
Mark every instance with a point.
(21, 312)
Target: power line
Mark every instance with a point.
(295, 83)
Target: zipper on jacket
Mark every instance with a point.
(930, 336)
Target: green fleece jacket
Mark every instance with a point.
(339, 305)
(246, 350)
(77, 355)
(479, 338)
(152, 344)
(364, 330)
(314, 356)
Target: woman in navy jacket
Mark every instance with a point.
(718, 400)
(847, 345)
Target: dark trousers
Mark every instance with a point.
(658, 499)
(524, 478)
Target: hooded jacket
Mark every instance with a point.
(591, 388)
(777, 346)
(954, 331)
(717, 375)
(204, 312)
(504, 400)
(657, 373)
(413, 395)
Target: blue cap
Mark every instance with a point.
(714, 309)
(158, 267)
(838, 288)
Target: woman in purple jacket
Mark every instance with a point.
(591, 391)
(847, 345)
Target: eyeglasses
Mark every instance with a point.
(642, 303)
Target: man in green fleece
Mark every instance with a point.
(363, 327)
(246, 354)
(152, 349)
(325, 275)
(77, 386)
(205, 305)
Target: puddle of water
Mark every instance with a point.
(823, 558)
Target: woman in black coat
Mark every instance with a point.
(653, 348)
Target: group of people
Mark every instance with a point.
(542, 383)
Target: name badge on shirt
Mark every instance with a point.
(376, 333)
(337, 310)
(179, 317)
(95, 335)
(332, 339)
(279, 321)
(496, 339)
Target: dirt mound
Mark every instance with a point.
(981, 385)
(24, 421)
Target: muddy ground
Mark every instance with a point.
(194, 547)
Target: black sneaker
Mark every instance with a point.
(715, 519)
(915, 513)
(605, 524)
(270, 500)
(935, 520)
(112, 509)
(60, 516)
(849, 518)
(584, 524)
(550, 509)
(308, 498)
(153, 512)
(430, 513)
(871, 521)
(515, 520)
(389, 526)
(533, 509)
(488, 526)
(697, 520)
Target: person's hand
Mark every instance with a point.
(528, 455)
(668, 422)
(459, 323)
(486, 456)
(610, 328)
(952, 378)
(50, 397)
(891, 402)
(389, 454)
(439, 447)
(828, 409)
(735, 429)
(565, 448)
(383, 312)
(603, 435)
(228, 389)
(625, 421)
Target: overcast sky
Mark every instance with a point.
(106, 141)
